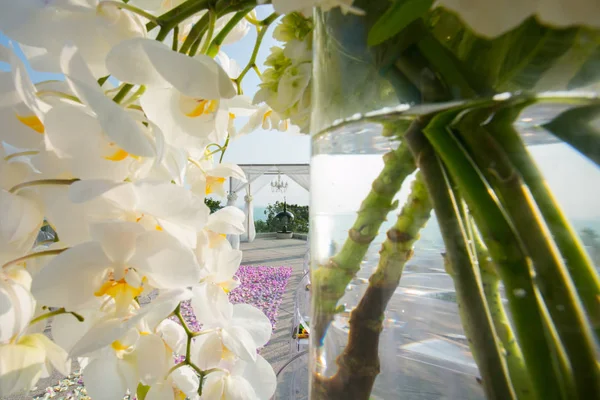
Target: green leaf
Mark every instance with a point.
(575, 127)
(396, 18)
(142, 391)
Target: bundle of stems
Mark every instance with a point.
(500, 224)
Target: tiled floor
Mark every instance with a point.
(276, 253)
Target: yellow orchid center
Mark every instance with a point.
(179, 395)
(224, 287)
(119, 289)
(197, 107)
(119, 154)
(212, 182)
(33, 122)
(265, 117)
(118, 346)
(215, 239)
(231, 116)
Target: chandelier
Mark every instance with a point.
(278, 185)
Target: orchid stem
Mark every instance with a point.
(212, 18)
(175, 38)
(34, 255)
(122, 93)
(216, 43)
(261, 31)
(41, 182)
(224, 149)
(60, 311)
(134, 97)
(20, 154)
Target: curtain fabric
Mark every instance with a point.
(234, 240)
(299, 173)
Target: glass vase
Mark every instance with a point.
(454, 216)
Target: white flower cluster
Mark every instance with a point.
(117, 159)
(285, 84)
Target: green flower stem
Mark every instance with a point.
(122, 93)
(473, 310)
(330, 280)
(60, 311)
(216, 43)
(135, 96)
(358, 365)
(188, 349)
(579, 264)
(34, 255)
(515, 362)
(194, 35)
(21, 154)
(41, 182)
(175, 42)
(531, 324)
(553, 281)
(261, 31)
(102, 81)
(224, 149)
(212, 18)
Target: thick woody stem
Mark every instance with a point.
(330, 280)
(358, 365)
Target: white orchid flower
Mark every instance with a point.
(21, 214)
(113, 371)
(122, 127)
(91, 25)
(241, 328)
(31, 112)
(130, 347)
(266, 118)
(24, 358)
(121, 262)
(184, 94)
(220, 267)
(226, 221)
(21, 218)
(181, 384)
(244, 380)
(207, 178)
(21, 127)
(153, 204)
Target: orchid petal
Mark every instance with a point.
(239, 342)
(254, 321)
(71, 278)
(228, 220)
(207, 351)
(118, 239)
(262, 378)
(165, 261)
(103, 379)
(211, 305)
